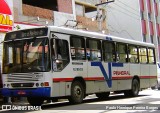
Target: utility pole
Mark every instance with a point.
(99, 15)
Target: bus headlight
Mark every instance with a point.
(42, 84)
(37, 84)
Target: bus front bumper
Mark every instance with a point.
(35, 92)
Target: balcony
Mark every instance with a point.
(89, 24)
(33, 11)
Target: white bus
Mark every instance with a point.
(55, 62)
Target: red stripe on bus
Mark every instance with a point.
(121, 77)
(62, 79)
(93, 78)
(147, 77)
(102, 78)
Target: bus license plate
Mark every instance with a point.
(21, 92)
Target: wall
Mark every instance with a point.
(65, 6)
(124, 20)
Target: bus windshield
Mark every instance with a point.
(28, 55)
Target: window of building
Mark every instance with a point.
(143, 55)
(133, 54)
(91, 14)
(46, 4)
(122, 52)
(158, 39)
(156, 19)
(79, 10)
(93, 50)
(151, 39)
(77, 44)
(151, 56)
(109, 51)
(149, 16)
(88, 11)
(144, 38)
(142, 15)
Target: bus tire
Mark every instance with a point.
(153, 87)
(134, 89)
(104, 95)
(77, 93)
(34, 101)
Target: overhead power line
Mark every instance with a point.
(124, 13)
(104, 3)
(126, 10)
(137, 11)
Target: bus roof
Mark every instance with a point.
(98, 35)
(90, 34)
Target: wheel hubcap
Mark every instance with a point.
(77, 91)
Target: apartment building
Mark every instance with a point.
(135, 19)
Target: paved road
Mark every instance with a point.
(148, 101)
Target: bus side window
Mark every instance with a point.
(133, 54)
(122, 53)
(93, 50)
(151, 56)
(77, 44)
(143, 55)
(109, 51)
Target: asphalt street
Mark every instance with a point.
(148, 101)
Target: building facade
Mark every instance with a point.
(70, 13)
(135, 19)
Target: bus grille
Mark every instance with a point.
(22, 85)
(24, 77)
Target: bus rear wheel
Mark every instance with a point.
(34, 101)
(77, 93)
(104, 95)
(134, 90)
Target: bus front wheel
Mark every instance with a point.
(34, 101)
(134, 90)
(77, 93)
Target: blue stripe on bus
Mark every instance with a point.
(117, 65)
(107, 77)
(35, 92)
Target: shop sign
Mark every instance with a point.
(6, 19)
